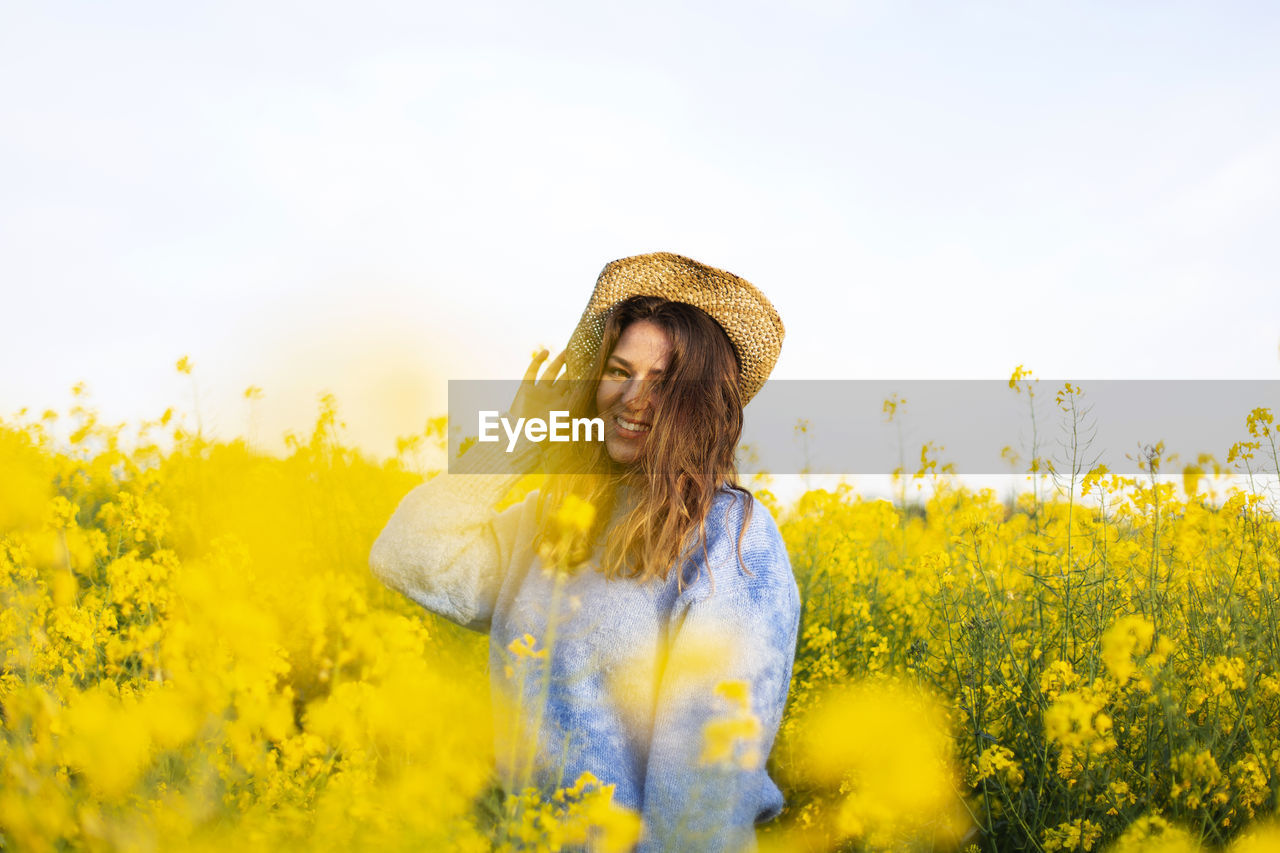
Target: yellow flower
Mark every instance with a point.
(1079, 834)
(1197, 779)
(1076, 723)
(523, 647)
(62, 513)
(1259, 423)
(1258, 839)
(738, 693)
(997, 762)
(735, 733)
(575, 514)
(106, 741)
(1056, 678)
(1019, 373)
(1191, 475)
(1091, 479)
(887, 750)
(1130, 635)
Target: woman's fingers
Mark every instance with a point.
(535, 395)
(531, 374)
(554, 366)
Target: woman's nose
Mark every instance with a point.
(636, 395)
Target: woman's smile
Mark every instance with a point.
(629, 428)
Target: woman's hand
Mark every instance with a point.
(537, 398)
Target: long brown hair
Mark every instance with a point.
(687, 458)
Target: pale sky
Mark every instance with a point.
(374, 198)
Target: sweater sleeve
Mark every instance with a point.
(721, 698)
(446, 547)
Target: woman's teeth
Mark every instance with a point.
(631, 425)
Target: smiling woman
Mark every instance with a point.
(641, 606)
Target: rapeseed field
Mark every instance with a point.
(196, 656)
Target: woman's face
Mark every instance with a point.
(623, 395)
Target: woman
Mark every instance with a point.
(649, 642)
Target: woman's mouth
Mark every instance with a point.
(630, 429)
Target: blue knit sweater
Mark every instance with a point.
(650, 688)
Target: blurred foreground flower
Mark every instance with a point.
(1261, 839)
(1154, 834)
(576, 514)
(734, 737)
(884, 751)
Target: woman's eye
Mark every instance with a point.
(617, 371)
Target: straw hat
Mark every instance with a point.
(747, 317)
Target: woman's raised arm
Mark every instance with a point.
(446, 546)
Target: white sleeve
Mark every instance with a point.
(446, 546)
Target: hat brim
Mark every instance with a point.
(746, 315)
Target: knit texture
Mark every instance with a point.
(649, 688)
